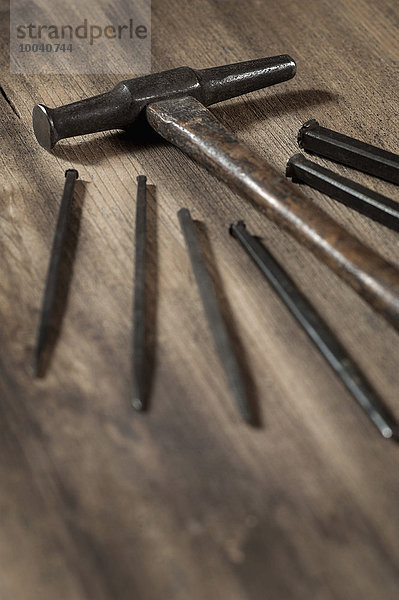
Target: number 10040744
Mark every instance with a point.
(45, 47)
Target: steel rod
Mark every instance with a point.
(352, 194)
(349, 151)
(318, 331)
(214, 315)
(139, 300)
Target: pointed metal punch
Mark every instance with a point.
(214, 315)
(323, 338)
(352, 194)
(349, 151)
(139, 300)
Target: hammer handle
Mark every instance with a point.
(190, 126)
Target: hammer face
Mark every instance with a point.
(43, 126)
(118, 108)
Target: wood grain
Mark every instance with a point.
(186, 501)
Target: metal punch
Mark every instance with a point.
(139, 301)
(352, 194)
(318, 331)
(174, 103)
(349, 151)
(215, 319)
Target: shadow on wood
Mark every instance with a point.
(106, 145)
(65, 276)
(270, 106)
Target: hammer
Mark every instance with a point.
(174, 103)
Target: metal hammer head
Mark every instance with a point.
(118, 108)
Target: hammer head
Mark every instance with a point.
(120, 107)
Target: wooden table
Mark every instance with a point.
(186, 501)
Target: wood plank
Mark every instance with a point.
(186, 501)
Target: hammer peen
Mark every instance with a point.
(174, 103)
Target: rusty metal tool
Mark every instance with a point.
(214, 315)
(318, 331)
(139, 300)
(173, 102)
(349, 151)
(121, 106)
(352, 194)
(54, 267)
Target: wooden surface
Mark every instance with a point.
(186, 501)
